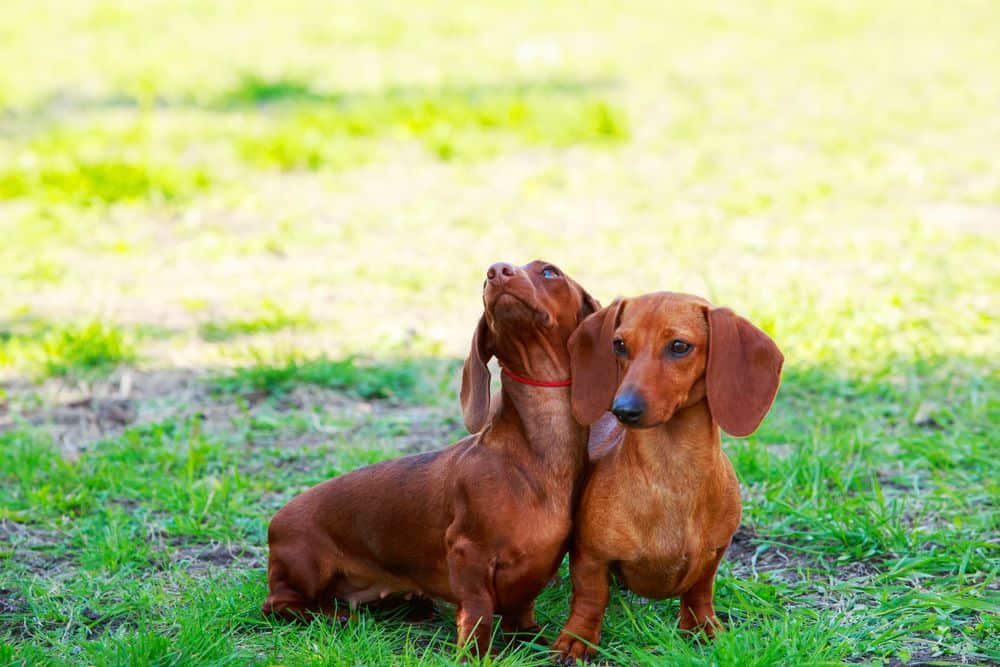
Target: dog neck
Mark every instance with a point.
(688, 445)
(545, 419)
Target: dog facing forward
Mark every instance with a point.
(662, 501)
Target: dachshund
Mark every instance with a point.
(661, 501)
(484, 523)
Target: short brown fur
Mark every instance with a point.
(662, 501)
(483, 523)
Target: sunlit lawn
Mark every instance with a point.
(241, 249)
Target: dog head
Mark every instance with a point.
(648, 357)
(529, 313)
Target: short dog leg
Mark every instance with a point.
(292, 606)
(697, 609)
(300, 589)
(521, 625)
(591, 593)
(284, 599)
(471, 574)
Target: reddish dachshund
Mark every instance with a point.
(661, 502)
(484, 523)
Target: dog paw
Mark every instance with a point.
(706, 631)
(571, 650)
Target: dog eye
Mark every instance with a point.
(679, 348)
(550, 272)
(618, 345)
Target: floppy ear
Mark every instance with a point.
(475, 392)
(588, 307)
(593, 367)
(744, 370)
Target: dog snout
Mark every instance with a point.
(629, 407)
(500, 273)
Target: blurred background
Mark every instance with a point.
(208, 207)
(213, 177)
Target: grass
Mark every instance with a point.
(850, 541)
(140, 156)
(273, 318)
(82, 350)
(231, 270)
(449, 124)
(97, 164)
(101, 182)
(406, 380)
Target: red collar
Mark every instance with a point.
(536, 383)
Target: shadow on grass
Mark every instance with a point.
(253, 90)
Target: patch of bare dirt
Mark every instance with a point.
(418, 428)
(35, 548)
(97, 624)
(201, 557)
(926, 659)
(750, 560)
(11, 602)
(77, 415)
(15, 607)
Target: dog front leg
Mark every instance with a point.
(471, 570)
(591, 592)
(697, 608)
(520, 625)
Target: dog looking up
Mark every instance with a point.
(484, 523)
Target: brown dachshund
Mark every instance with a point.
(661, 502)
(484, 523)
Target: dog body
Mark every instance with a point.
(363, 535)
(483, 523)
(662, 501)
(660, 505)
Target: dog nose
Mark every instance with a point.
(628, 408)
(499, 272)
